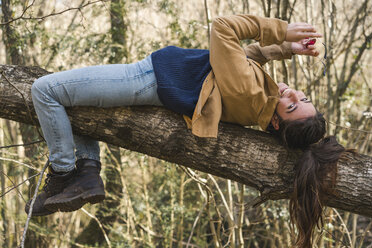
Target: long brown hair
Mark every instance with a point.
(318, 160)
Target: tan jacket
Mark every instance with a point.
(238, 90)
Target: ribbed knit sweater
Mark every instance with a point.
(180, 74)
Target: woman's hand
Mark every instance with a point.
(301, 48)
(300, 30)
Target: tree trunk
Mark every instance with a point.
(118, 31)
(248, 156)
(10, 36)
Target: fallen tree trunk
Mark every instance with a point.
(248, 156)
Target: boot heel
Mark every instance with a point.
(95, 199)
(94, 196)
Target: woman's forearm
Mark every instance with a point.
(264, 54)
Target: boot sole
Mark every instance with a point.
(41, 213)
(75, 203)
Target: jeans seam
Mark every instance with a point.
(144, 89)
(47, 99)
(83, 81)
(45, 96)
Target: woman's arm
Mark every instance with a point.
(278, 52)
(263, 55)
(228, 58)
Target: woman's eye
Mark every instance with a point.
(291, 106)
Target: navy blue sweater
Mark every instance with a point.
(180, 74)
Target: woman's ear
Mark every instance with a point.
(275, 121)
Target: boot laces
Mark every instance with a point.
(47, 183)
(51, 185)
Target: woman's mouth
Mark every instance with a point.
(282, 87)
(283, 91)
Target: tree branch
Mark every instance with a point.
(244, 155)
(22, 245)
(21, 17)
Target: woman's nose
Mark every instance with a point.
(293, 95)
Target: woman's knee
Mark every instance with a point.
(40, 86)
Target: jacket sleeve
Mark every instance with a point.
(264, 54)
(228, 58)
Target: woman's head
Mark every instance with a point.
(300, 133)
(299, 125)
(296, 121)
(293, 104)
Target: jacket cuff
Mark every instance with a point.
(273, 31)
(275, 52)
(287, 50)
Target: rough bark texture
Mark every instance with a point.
(248, 156)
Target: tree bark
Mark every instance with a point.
(247, 156)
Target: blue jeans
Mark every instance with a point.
(98, 86)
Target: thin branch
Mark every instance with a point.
(18, 184)
(291, 11)
(344, 225)
(11, 181)
(16, 161)
(32, 204)
(335, 238)
(68, 29)
(352, 32)
(21, 16)
(354, 66)
(350, 128)
(195, 223)
(51, 14)
(99, 224)
(264, 7)
(25, 144)
(229, 213)
(207, 18)
(366, 231)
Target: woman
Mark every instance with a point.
(226, 83)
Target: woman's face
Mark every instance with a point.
(293, 105)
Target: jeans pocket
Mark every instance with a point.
(145, 89)
(147, 95)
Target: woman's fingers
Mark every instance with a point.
(306, 28)
(299, 31)
(313, 53)
(310, 47)
(310, 35)
(300, 48)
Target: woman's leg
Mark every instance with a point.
(99, 86)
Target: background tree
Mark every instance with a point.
(162, 204)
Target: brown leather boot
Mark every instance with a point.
(54, 184)
(86, 186)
